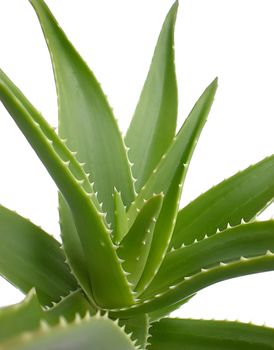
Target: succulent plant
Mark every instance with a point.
(129, 255)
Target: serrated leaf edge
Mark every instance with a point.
(221, 264)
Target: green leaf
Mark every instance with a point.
(163, 230)
(191, 284)
(27, 315)
(177, 334)
(138, 326)
(158, 314)
(57, 158)
(154, 122)
(120, 228)
(241, 196)
(73, 183)
(73, 305)
(240, 242)
(29, 257)
(85, 118)
(134, 247)
(73, 247)
(91, 333)
(20, 318)
(180, 151)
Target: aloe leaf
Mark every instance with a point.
(91, 333)
(27, 315)
(240, 242)
(166, 221)
(177, 334)
(75, 304)
(85, 118)
(97, 245)
(21, 317)
(120, 228)
(158, 314)
(29, 257)
(180, 150)
(154, 120)
(191, 284)
(238, 198)
(57, 158)
(163, 230)
(73, 248)
(134, 247)
(138, 327)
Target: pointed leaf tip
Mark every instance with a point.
(155, 116)
(175, 6)
(86, 119)
(214, 84)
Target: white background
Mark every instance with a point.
(231, 39)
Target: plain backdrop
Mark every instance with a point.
(231, 39)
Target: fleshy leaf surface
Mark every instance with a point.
(85, 118)
(28, 315)
(180, 150)
(134, 247)
(242, 196)
(120, 228)
(100, 255)
(97, 332)
(158, 314)
(154, 120)
(29, 257)
(239, 242)
(177, 334)
(139, 327)
(19, 318)
(192, 284)
(71, 306)
(73, 247)
(163, 230)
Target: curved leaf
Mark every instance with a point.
(20, 318)
(180, 151)
(153, 125)
(174, 165)
(101, 258)
(120, 228)
(158, 314)
(29, 257)
(91, 333)
(191, 284)
(177, 334)
(73, 248)
(138, 326)
(85, 118)
(243, 241)
(27, 315)
(163, 230)
(242, 196)
(134, 247)
(73, 305)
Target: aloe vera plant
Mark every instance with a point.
(129, 255)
